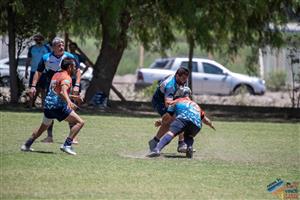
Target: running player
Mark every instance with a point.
(58, 105)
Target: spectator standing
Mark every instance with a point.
(34, 56)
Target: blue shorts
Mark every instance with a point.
(186, 126)
(59, 113)
(41, 83)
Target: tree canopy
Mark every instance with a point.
(208, 24)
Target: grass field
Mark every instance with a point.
(237, 161)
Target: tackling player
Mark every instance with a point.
(162, 98)
(58, 105)
(189, 118)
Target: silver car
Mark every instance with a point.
(209, 77)
(4, 71)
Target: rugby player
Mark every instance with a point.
(58, 105)
(189, 118)
(162, 98)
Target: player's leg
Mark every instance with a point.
(46, 83)
(161, 109)
(72, 118)
(31, 102)
(49, 138)
(75, 139)
(182, 147)
(36, 133)
(77, 122)
(191, 131)
(176, 127)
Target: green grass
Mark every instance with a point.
(237, 161)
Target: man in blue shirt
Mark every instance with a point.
(35, 53)
(189, 117)
(162, 98)
(51, 63)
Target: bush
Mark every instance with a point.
(149, 91)
(276, 80)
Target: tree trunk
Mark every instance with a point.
(111, 52)
(190, 65)
(14, 97)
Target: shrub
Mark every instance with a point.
(276, 80)
(149, 91)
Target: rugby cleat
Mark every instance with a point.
(153, 154)
(25, 148)
(189, 152)
(182, 148)
(68, 150)
(152, 144)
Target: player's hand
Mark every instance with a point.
(32, 92)
(157, 123)
(72, 105)
(77, 98)
(76, 90)
(212, 126)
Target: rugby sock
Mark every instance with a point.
(166, 139)
(49, 130)
(68, 142)
(189, 141)
(156, 139)
(29, 142)
(180, 142)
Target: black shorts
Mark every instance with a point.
(59, 113)
(186, 126)
(158, 103)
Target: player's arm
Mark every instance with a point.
(38, 73)
(64, 94)
(208, 122)
(36, 78)
(78, 78)
(166, 118)
(77, 98)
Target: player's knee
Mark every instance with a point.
(81, 123)
(166, 122)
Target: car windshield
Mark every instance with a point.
(159, 64)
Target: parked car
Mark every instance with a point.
(208, 76)
(4, 71)
(5, 78)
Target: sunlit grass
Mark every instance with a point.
(237, 161)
